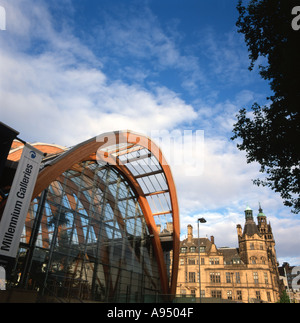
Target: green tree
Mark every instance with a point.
(270, 134)
(284, 298)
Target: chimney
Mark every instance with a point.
(170, 226)
(239, 230)
(158, 226)
(190, 233)
(212, 239)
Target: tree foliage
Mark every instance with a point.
(284, 297)
(270, 134)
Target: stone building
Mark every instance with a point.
(290, 276)
(248, 273)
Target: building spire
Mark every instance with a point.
(260, 209)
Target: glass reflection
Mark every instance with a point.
(88, 240)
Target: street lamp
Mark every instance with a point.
(200, 220)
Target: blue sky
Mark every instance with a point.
(72, 69)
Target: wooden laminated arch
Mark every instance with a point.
(114, 148)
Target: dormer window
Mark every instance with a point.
(202, 248)
(236, 261)
(193, 249)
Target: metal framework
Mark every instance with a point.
(114, 187)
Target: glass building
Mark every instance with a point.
(103, 224)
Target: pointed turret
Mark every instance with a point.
(262, 220)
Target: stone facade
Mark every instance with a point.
(245, 274)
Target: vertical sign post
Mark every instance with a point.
(18, 201)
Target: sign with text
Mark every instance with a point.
(18, 201)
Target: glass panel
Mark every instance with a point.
(93, 242)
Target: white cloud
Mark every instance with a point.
(61, 94)
(59, 100)
(225, 179)
(227, 56)
(133, 33)
(286, 234)
(221, 193)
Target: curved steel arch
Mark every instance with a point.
(122, 150)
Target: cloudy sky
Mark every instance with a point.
(73, 69)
